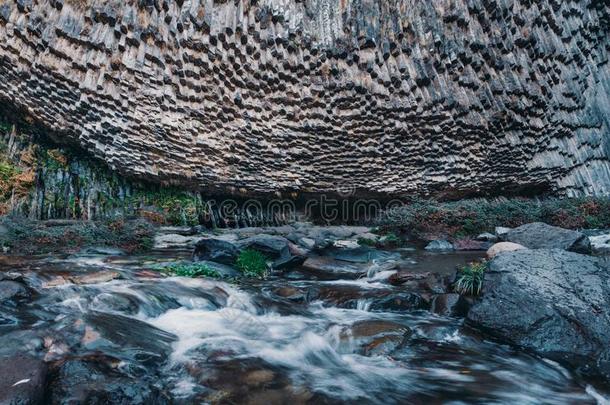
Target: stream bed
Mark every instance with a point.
(113, 330)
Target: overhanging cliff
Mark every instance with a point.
(393, 97)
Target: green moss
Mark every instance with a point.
(252, 263)
(190, 270)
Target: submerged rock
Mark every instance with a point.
(471, 244)
(554, 302)
(539, 235)
(96, 380)
(22, 380)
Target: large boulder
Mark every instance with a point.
(271, 245)
(22, 380)
(539, 235)
(553, 302)
(216, 250)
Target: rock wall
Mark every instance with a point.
(397, 97)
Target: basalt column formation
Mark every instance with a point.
(390, 97)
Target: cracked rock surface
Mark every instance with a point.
(552, 302)
(391, 97)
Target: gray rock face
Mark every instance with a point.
(385, 96)
(538, 235)
(216, 250)
(22, 380)
(554, 302)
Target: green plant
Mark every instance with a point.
(252, 263)
(470, 278)
(367, 242)
(190, 270)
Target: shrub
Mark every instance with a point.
(430, 219)
(190, 270)
(252, 263)
(470, 278)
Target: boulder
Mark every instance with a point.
(551, 301)
(439, 245)
(287, 262)
(449, 305)
(22, 380)
(307, 243)
(487, 237)
(503, 247)
(501, 232)
(270, 245)
(216, 250)
(600, 244)
(539, 235)
(223, 269)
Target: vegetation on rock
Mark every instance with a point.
(430, 219)
(190, 270)
(470, 278)
(252, 263)
(24, 236)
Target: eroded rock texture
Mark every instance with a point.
(388, 96)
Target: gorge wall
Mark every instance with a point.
(391, 97)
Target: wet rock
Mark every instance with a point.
(470, 244)
(124, 303)
(377, 337)
(487, 237)
(216, 250)
(500, 247)
(439, 245)
(449, 305)
(553, 302)
(97, 380)
(330, 265)
(539, 235)
(223, 269)
(600, 244)
(270, 245)
(288, 262)
(96, 278)
(400, 301)
(134, 338)
(307, 243)
(290, 293)
(22, 380)
(13, 291)
(423, 282)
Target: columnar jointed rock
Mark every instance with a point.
(374, 96)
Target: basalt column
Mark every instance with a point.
(391, 97)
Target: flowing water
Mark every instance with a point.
(298, 337)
